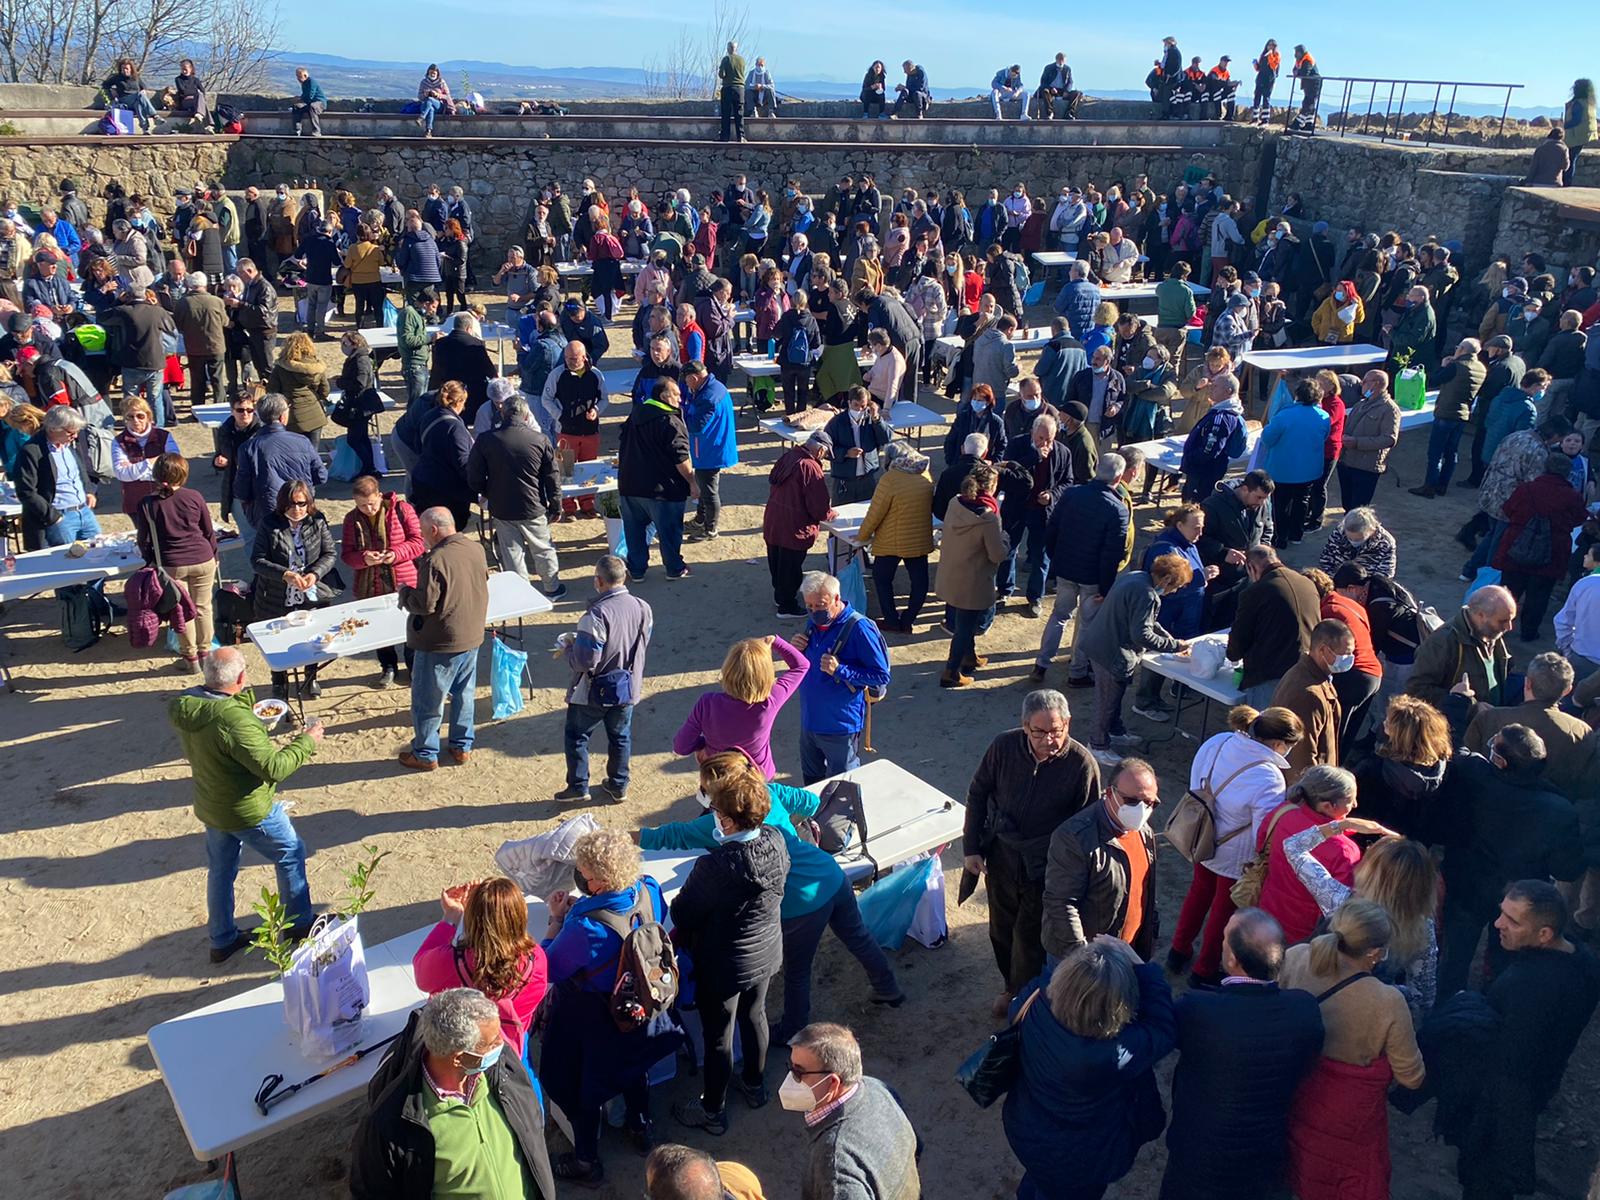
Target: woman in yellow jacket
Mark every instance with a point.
(868, 272)
(1334, 323)
(899, 527)
(363, 264)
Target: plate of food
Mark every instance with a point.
(344, 629)
(270, 712)
(296, 619)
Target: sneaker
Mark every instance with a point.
(1080, 681)
(1036, 675)
(573, 1169)
(1127, 741)
(1464, 577)
(692, 1113)
(223, 955)
(683, 574)
(616, 793)
(1154, 712)
(572, 794)
(1106, 756)
(559, 594)
(632, 578)
(310, 690)
(408, 759)
(386, 678)
(755, 1095)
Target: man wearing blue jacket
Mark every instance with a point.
(713, 447)
(1007, 85)
(816, 894)
(848, 659)
(1291, 453)
(1088, 535)
(1078, 299)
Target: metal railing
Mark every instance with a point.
(1393, 94)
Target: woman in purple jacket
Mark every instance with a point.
(741, 715)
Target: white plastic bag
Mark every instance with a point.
(325, 991)
(1208, 655)
(929, 924)
(542, 864)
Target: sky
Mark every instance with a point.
(965, 41)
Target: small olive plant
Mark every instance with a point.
(271, 938)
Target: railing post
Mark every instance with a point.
(1504, 111)
(1432, 116)
(1372, 98)
(1454, 88)
(1344, 108)
(1388, 111)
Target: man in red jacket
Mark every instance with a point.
(797, 505)
(1533, 551)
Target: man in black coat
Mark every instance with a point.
(461, 355)
(1505, 824)
(1037, 469)
(1243, 1048)
(1272, 628)
(1088, 536)
(889, 313)
(1238, 518)
(974, 450)
(452, 1056)
(514, 468)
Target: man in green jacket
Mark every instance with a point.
(411, 335)
(730, 74)
(1175, 308)
(236, 771)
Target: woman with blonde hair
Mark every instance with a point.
(1339, 1123)
(1399, 783)
(494, 954)
(1085, 1099)
(1103, 331)
(134, 452)
(584, 1058)
(298, 376)
(740, 716)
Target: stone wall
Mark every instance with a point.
(1547, 220)
(153, 166)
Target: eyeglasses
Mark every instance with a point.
(244, 408)
(298, 504)
(795, 1070)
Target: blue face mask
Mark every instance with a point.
(716, 831)
(980, 409)
(488, 1061)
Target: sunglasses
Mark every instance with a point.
(298, 504)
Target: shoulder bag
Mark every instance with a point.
(992, 1069)
(1246, 890)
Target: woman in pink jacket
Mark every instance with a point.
(741, 715)
(495, 953)
(381, 542)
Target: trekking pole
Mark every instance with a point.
(269, 1097)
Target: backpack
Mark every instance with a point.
(85, 615)
(234, 610)
(1530, 549)
(876, 692)
(647, 968)
(1192, 827)
(96, 441)
(798, 349)
(1020, 277)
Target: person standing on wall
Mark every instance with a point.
(731, 76)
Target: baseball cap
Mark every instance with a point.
(820, 438)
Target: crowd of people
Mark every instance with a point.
(1378, 752)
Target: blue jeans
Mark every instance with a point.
(277, 842)
(638, 513)
(966, 626)
(139, 104)
(582, 721)
(801, 937)
(430, 109)
(74, 526)
(134, 378)
(1443, 439)
(434, 678)
(826, 754)
(230, 258)
(1485, 551)
(1033, 522)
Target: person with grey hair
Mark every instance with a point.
(861, 1141)
(1506, 821)
(1088, 537)
(202, 319)
(55, 482)
(492, 414)
(674, 1172)
(448, 607)
(460, 354)
(1078, 299)
(1321, 796)
(974, 450)
(271, 458)
(606, 655)
(1571, 756)
(1028, 782)
(848, 662)
(1034, 474)
(1460, 381)
(235, 770)
(448, 1103)
(513, 467)
(1467, 655)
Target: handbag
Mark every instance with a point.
(1246, 890)
(992, 1069)
(170, 589)
(1192, 827)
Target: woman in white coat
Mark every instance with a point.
(1243, 770)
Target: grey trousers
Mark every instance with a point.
(522, 543)
(1085, 599)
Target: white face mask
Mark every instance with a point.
(857, 415)
(1133, 816)
(1343, 663)
(717, 832)
(705, 800)
(796, 1095)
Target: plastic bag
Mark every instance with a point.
(506, 679)
(930, 926)
(1485, 576)
(1411, 389)
(889, 906)
(391, 314)
(223, 1187)
(1208, 655)
(325, 991)
(344, 463)
(542, 864)
(853, 584)
(380, 461)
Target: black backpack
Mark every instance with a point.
(85, 615)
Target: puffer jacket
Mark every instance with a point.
(973, 546)
(1087, 534)
(417, 257)
(1086, 884)
(305, 386)
(797, 502)
(144, 596)
(1459, 384)
(899, 521)
(403, 538)
(234, 766)
(1077, 301)
(727, 913)
(270, 559)
(1371, 431)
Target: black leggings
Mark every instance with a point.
(717, 1018)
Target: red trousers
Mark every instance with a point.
(1208, 894)
(585, 448)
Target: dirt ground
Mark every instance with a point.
(103, 868)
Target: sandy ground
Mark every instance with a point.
(103, 870)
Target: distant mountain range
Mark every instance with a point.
(386, 80)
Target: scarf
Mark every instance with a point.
(152, 445)
(372, 533)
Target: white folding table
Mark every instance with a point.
(1315, 358)
(845, 524)
(1180, 671)
(759, 366)
(590, 479)
(213, 415)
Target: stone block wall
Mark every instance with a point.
(152, 166)
(1542, 220)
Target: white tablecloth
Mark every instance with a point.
(759, 366)
(45, 570)
(590, 479)
(287, 647)
(845, 524)
(1054, 258)
(1036, 337)
(384, 337)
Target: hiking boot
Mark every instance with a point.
(386, 678)
(223, 955)
(1036, 675)
(693, 1114)
(955, 680)
(973, 661)
(615, 792)
(572, 794)
(755, 1094)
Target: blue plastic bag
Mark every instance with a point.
(620, 546)
(391, 314)
(853, 584)
(344, 463)
(506, 674)
(888, 906)
(1485, 576)
(1034, 294)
